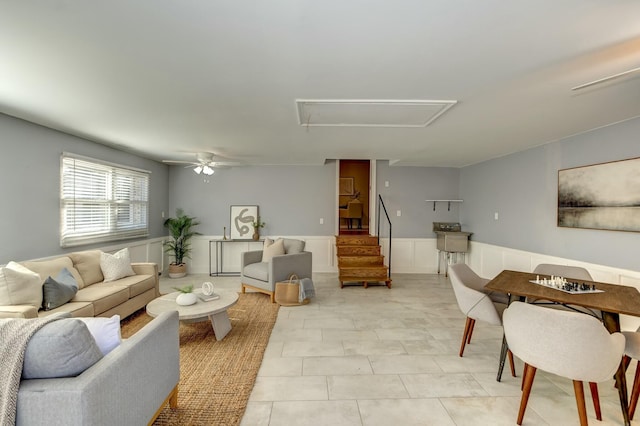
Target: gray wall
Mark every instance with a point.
(522, 188)
(291, 199)
(408, 189)
(30, 176)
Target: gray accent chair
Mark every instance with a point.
(477, 303)
(129, 386)
(568, 344)
(263, 276)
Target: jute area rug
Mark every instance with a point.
(216, 378)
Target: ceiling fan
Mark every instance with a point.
(205, 163)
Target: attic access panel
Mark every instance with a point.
(370, 113)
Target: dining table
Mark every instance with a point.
(611, 299)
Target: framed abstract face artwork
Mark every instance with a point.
(241, 219)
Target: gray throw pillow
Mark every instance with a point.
(59, 290)
(62, 348)
(292, 246)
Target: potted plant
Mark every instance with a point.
(186, 296)
(256, 228)
(180, 230)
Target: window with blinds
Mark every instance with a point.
(101, 201)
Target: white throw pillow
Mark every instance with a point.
(105, 331)
(271, 249)
(116, 266)
(20, 286)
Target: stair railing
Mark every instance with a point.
(382, 208)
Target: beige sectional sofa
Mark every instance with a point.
(94, 297)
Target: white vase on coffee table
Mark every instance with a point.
(186, 299)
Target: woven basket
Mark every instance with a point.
(288, 292)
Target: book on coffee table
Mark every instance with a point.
(208, 298)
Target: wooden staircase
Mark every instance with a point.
(359, 260)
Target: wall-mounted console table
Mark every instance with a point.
(219, 257)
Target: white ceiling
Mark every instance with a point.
(168, 78)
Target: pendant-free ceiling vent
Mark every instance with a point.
(370, 113)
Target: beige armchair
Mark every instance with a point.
(353, 211)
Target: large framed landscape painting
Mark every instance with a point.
(241, 222)
(600, 196)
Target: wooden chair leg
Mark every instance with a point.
(596, 399)
(626, 360)
(511, 364)
(527, 377)
(173, 399)
(582, 407)
(525, 371)
(467, 326)
(635, 393)
(473, 324)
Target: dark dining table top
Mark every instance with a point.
(615, 298)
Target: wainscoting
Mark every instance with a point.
(420, 256)
(322, 247)
(409, 255)
(150, 250)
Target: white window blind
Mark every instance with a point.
(101, 201)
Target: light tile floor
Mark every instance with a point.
(379, 356)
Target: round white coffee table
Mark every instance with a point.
(214, 310)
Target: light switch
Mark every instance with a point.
(162, 214)
(495, 216)
(322, 221)
(398, 213)
(386, 183)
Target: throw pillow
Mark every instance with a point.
(88, 265)
(292, 246)
(272, 248)
(62, 348)
(59, 290)
(116, 266)
(105, 331)
(20, 286)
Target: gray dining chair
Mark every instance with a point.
(477, 303)
(568, 344)
(570, 273)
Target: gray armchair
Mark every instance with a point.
(262, 276)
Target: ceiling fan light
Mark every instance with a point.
(198, 170)
(208, 170)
